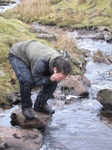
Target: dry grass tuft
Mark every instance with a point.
(34, 8)
(65, 43)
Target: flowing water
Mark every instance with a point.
(3, 8)
(78, 126)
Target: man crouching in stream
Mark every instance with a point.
(36, 64)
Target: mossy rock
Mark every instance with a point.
(104, 96)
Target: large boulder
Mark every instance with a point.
(72, 86)
(104, 96)
(83, 80)
(100, 57)
(17, 139)
(40, 121)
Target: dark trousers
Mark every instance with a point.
(26, 83)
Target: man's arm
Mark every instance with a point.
(38, 69)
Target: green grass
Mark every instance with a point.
(11, 31)
(73, 13)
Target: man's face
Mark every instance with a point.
(59, 75)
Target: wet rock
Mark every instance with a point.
(86, 53)
(105, 98)
(100, 57)
(76, 62)
(103, 28)
(83, 80)
(72, 86)
(99, 36)
(40, 121)
(49, 37)
(37, 30)
(17, 139)
(109, 39)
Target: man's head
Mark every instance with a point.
(62, 65)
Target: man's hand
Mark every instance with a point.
(58, 77)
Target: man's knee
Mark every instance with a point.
(49, 89)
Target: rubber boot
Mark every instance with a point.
(28, 113)
(43, 108)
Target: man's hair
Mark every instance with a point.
(62, 65)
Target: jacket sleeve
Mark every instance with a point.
(38, 69)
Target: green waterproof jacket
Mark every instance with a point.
(38, 57)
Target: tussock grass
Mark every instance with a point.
(33, 9)
(65, 43)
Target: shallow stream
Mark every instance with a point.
(78, 126)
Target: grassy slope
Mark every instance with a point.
(11, 31)
(74, 13)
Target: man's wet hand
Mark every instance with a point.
(58, 77)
